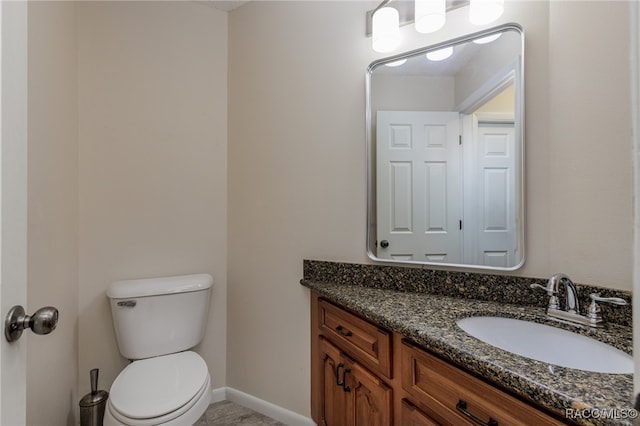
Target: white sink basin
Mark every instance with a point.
(548, 344)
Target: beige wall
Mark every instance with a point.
(503, 102)
(52, 255)
(152, 102)
(296, 189)
(297, 169)
(589, 164)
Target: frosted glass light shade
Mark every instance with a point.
(487, 39)
(397, 63)
(485, 11)
(441, 54)
(430, 15)
(385, 29)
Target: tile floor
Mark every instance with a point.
(227, 413)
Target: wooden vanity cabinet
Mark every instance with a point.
(364, 375)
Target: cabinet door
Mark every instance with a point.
(334, 410)
(352, 395)
(370, 398)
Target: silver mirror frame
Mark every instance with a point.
(370, 147)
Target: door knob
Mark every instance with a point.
(43, 321)
(384, 243)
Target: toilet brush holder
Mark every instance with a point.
(93, 404)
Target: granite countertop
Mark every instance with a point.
(430, 321)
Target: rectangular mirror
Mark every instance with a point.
(445, 153)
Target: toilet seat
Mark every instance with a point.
(157, 390)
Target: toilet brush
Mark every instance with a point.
(93, 404)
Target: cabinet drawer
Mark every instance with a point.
(453, 396)
(411, 416)
(364, 341)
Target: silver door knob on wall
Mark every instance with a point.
(43, 321)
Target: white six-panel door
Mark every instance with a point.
(497, 239)
(490, 222)
(418, 186)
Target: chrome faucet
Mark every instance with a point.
(571, 311)
(572, 304)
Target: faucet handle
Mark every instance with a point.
(594, 311)
(614, 300)
(547, 289)
(553, 298)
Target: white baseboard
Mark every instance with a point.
(218, 395)
(276, 412)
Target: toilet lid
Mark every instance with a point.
(156, 386)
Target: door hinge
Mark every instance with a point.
(459, 139)
(460, 225)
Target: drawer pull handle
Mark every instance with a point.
(462, 407)
(341, 330)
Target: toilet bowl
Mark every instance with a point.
(156, 322)
(166, 390)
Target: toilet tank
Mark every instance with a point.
(159, 316)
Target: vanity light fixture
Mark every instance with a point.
(427, 15)
(430, 15)
(386, 29)
(485, 11)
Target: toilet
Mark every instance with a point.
(156, 322)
